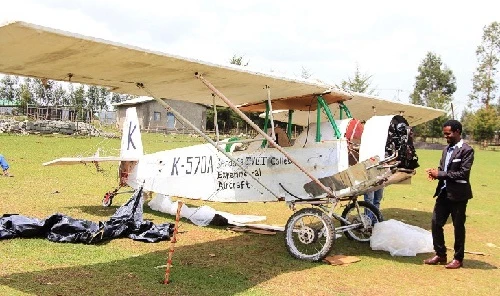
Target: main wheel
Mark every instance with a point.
(309, 234)
(368, 214)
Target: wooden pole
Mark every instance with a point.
(172, 243)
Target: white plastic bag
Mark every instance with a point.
(201, 216)
(400, 239)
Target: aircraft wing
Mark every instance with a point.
(36, 51)
(92, 159)
(363, 107)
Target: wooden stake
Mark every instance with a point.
(172, 243)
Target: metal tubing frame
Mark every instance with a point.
(201, 133)
(322, 103)
(318, 121)
(270, 111)
(260, 131)
(289, 127)
(266, 123)
(345, 109)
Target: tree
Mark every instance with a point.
(305, 73)
(238, 60)
(77, 99)
(434, 87)
(227, 119)
(42, 91)
(359, 83)
(104, 98)
(467, 120)
(117, 98)
(484, 85)
(433, 76)
(25, 95)
(486, 121)
(59, 94)
(9, 88)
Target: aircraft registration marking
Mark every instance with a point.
(192, 165)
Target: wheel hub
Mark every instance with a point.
(365, 220)
(307, 235)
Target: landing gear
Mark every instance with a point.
(309, 234)
(107, 200)
(365, 215)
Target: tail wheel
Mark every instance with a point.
(107, 200)
(309, 234)
(366, 217)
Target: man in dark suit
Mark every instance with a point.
(452, 192)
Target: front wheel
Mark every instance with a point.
(309, 234)
(365, 215)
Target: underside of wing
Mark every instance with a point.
(82, 160)
(47, 53)
(299, 103)
(363, 107)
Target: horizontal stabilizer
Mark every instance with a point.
(91, 159)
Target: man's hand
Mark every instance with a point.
(432, 174)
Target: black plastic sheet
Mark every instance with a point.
(126, 222)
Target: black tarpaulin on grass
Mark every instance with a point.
(126, 222)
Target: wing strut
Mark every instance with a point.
(207, 138)
(260, 131)
(270, 111)
(216, 123)
(289, 126)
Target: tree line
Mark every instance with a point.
(40, 92)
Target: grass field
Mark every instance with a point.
(213, 260)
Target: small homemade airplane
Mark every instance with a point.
(332, 160)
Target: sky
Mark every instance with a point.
(386, 39)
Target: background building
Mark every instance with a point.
(153, 116)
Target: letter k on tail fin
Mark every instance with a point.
(131, 146)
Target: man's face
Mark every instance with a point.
(450, 136)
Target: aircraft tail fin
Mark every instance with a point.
(131, 145)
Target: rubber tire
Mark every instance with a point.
(107, 201)
(327, 221)
(362, 204)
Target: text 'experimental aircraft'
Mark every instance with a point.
(332, 160)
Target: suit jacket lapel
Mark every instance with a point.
(443, 159)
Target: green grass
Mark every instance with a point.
(212, 260)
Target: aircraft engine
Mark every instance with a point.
(400, 141)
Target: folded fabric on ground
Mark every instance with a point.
(201, 216)
(126, 222)
(400, 239)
